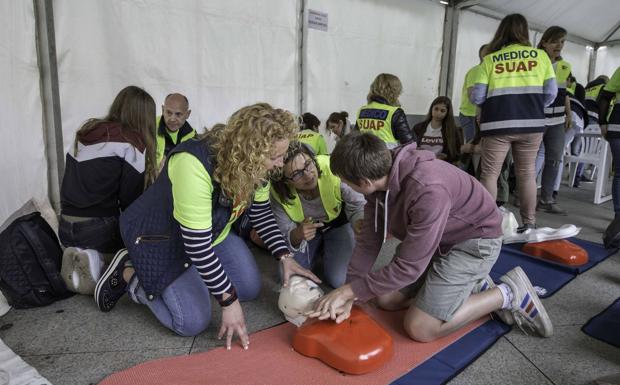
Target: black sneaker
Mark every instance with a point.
(551, 208)
(111, 286)
(526, 226)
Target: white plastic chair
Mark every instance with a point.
(595, 151)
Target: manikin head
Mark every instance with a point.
(298, 298)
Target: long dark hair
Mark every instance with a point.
(336, 117)
(552, 33)
(134, 109)
(310, 122)
(278, 182)
(512, 30)
(448, 126)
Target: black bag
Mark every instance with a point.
(611, 236)
(30, 259)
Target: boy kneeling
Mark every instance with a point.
(451, 236)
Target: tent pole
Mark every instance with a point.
(50, 97)
(302, 52)
(592, 63)
(448, 51)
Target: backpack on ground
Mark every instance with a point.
(30, 259)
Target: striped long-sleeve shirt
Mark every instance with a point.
(199, 248)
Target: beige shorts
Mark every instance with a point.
(449, 279)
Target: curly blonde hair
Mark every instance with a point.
(386, 86)
(245, 143)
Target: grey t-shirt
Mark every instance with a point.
(354, 210)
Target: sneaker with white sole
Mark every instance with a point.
(111, 286)
(503, 314)
(76, 272)
(527, 309)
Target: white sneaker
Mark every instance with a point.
(81, 269)
(527, 309)
(503, 314)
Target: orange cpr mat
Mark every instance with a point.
(558, 251)
(272, 360)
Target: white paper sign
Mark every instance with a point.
(317, 20)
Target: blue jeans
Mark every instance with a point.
(468, 124)
(337, 248)
(549, 159)
(185, 305)
(101, 234)
(614, 143)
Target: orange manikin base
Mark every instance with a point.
(358, 345)
(558, 251)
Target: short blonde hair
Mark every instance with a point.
(386, 86)
(245, 143)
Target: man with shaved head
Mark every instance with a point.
(172, 126)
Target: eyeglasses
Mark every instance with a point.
(298, 174)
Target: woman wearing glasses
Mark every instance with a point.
(315, 211)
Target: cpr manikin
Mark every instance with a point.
(358, 345)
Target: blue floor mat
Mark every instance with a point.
(449, 362)
(548, 275)
(605, 326)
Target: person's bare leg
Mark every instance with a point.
(423, 327)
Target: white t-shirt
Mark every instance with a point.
(432, 140)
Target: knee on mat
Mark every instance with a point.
(249, 289)
(419, 331)
(335, 279)
(194, 326)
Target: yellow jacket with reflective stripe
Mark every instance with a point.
(376, 118)
(329, 188)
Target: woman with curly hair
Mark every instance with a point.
(180, 249)
(382, 116)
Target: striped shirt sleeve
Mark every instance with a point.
(264, 223)
(199, 248)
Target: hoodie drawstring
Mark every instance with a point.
(385, 215)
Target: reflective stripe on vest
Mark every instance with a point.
(376, 118)
(329, 189)
(515, 77)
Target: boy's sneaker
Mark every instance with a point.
(527, 309)
(111, 286)
(503, 314)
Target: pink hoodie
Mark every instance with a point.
(429, 204)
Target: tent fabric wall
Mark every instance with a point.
(24, 169)
(579, 58)
(366, 38)
(607, 60)
(221, 54)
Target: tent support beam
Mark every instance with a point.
(611, 32)
(448, 50)
(536, 27)
(50, 98)
(302, 52)
(592, 64)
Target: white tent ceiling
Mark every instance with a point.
(593, 20)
